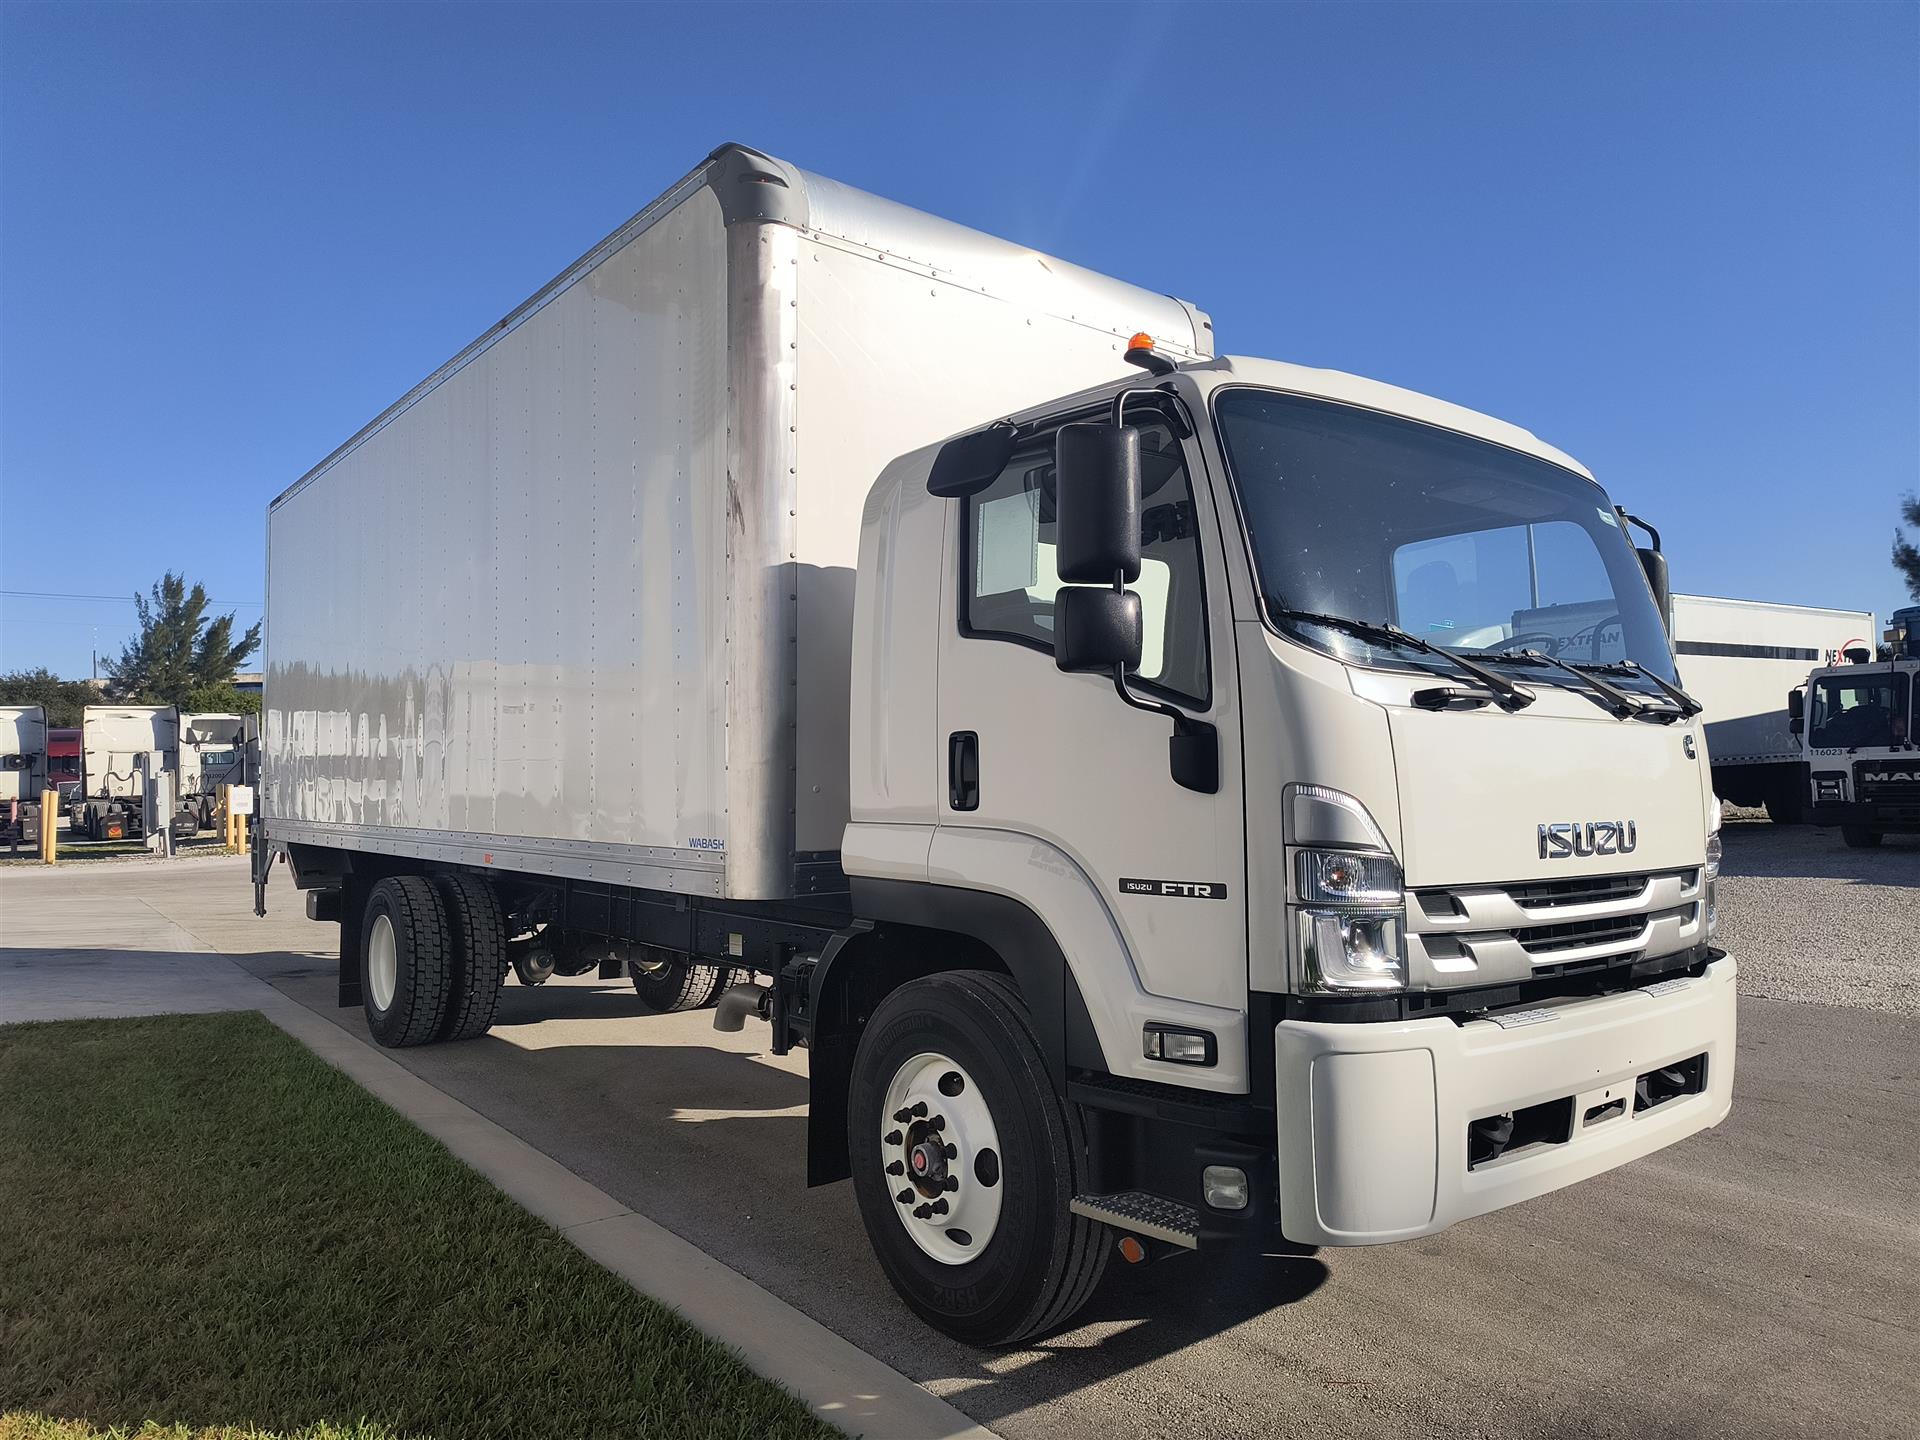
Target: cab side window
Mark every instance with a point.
(1012, 580)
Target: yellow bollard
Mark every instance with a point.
(49, 825)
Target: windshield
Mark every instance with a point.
(1463, 543)
(1850, 712)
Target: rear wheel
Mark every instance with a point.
(478, 932)
(1859, 837)
(666, 980)
(1786, 804)
(966, 1160)
(405, 969)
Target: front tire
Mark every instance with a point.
(1859, 837)
(966, 1035)
(666, 980)
(405, 962)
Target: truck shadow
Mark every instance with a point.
(710, 1141)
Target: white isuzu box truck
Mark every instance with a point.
(1176, 801)
(1739, 658)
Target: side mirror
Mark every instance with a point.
(1097, 504)
(1796, 700)
(1797, 726)
(1655, 566)
(1096, 629)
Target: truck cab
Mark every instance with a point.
(1358, 794)
(1856, 722)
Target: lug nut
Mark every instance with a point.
(900, 1117)
(919, 1108)
(905, 1197)
(938, 1122)
(953, 1183)
(893, 1137)
(939, 1207)
(896, 1168)
(953, 1152)
(922, 1212)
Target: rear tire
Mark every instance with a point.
(405, 962)
(1859, 837)
(667, 981)
(1042, 1262)
(478, 932)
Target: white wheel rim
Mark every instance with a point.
(948, 1184)
(383, 963)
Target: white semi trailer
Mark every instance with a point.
(1176, 801)
(1740, 658)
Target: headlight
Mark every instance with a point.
(1350, 921)
(1713, 883)
(1352, 950)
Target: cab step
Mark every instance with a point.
(1143, 1213)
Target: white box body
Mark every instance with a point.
(581, 603)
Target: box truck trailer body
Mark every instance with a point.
(1148, 784)
(1740, 659)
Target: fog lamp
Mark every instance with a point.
(1224, 1187)
(1179, 1047)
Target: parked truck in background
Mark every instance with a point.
(216, 750)
(1739, 658)
(1856, 723)
(23, 768)
(115, 743)
(1176, 801)
(63, 764)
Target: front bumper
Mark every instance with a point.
(1373, 1119)
(1871, 814)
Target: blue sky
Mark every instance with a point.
(1681, 242)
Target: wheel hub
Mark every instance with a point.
(941, 1153)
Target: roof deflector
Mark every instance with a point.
(752, 186)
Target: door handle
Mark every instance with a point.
(963, 770)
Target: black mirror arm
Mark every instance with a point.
(1193, 752)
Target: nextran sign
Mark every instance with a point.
(1596, 837)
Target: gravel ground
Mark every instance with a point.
(1813, 922)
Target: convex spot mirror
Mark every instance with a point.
(1097, 504)
(1095, 629)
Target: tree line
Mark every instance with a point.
(181, 656)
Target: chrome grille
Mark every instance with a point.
(1574, 934)
(1489, 934)
(1546, 894)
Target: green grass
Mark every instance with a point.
(204, 1231)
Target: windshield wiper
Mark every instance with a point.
(1688, 705)
(1507, 695)
(1611, 698)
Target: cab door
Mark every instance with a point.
(1058, 792)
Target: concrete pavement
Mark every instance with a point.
(1761, 1279)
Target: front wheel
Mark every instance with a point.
(1859, 837)
(966, 1161)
